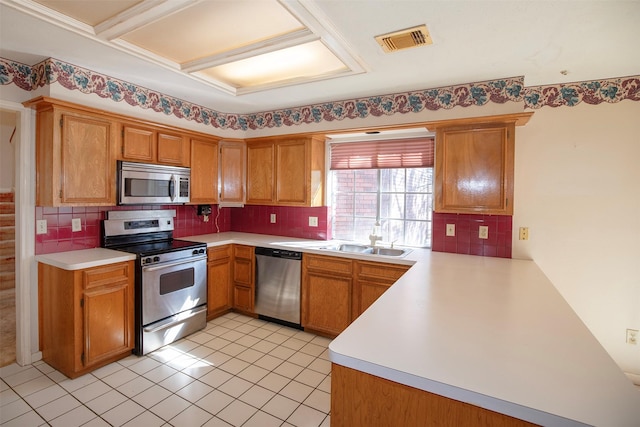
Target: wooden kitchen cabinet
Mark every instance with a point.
(326, 299)
(232, 175)
(149, 144)
(285, 171)
(75, 163)
(204, 171)
(474, 164)
(243, 278)
(85, 316)
(219, 281)
(372, 279)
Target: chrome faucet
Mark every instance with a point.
(375, 234)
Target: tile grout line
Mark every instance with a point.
(231, 355)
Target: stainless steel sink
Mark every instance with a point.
(362, 249)
(388, 251)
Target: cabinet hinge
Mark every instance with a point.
(82, 358)
(60, 194)
(60, 122)
(122, 149)
(81, 302)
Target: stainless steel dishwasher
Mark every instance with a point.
(278, 285)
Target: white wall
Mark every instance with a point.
(577, 188)
(7, 150)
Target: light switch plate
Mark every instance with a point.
(313, 221)
(483, 232)
(41, 226)
(273, 218)
(76, 224)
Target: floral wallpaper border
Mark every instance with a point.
(480, 93)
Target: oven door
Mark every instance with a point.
(172, 288)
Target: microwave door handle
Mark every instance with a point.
(172, 187)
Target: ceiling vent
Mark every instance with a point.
(405, 39)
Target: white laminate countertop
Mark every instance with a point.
(84, 258)
(491, 332)
(494, 333)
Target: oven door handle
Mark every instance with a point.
(180, 318)
(173, 264)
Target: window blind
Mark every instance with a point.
(383, 154)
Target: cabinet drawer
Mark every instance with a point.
(329, 264)
(381, 271)
(220, 252)
(107, 275)
(244, 252)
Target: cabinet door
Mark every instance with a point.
(138, 143)
(232, 172)
(243, 298)
(260, 173)
(108, 312)
(292, 176)
(171, 149)
(372, 280)
(204, 171)
(243, 277)
(326, 302)
(219, 281)
(474, 170)
(88, 173)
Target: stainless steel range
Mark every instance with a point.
(171, 276)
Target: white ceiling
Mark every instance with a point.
(167, 45)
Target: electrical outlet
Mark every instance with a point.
(451, 230)
(632, 336)
(273, 218)
(313, 221)
(76, 224)
(524, 233)
(483, 232)
(41, 226)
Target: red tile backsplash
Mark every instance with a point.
(466, 240)
(290, 221)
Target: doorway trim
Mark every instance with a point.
(26, 274)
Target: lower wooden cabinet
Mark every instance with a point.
(86, 316)
(243, 278)
(219, 281)
(372, 279)
(336, 290)
(327, 286)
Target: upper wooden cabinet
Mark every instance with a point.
(285, 171)
(232, 172)
(150, 144)
(474, 164)
(75, 163)
(204, 171)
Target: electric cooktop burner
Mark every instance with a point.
(154, 248)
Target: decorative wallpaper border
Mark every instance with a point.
(480, 93)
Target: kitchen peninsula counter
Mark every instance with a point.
(494, 333)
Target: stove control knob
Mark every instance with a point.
(147, 260)
(195, 252)
(201, 251)
(156, 259)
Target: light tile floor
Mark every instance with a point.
(238, 371)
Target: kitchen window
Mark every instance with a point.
(388, 182)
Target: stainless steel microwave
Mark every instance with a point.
(142, 183)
